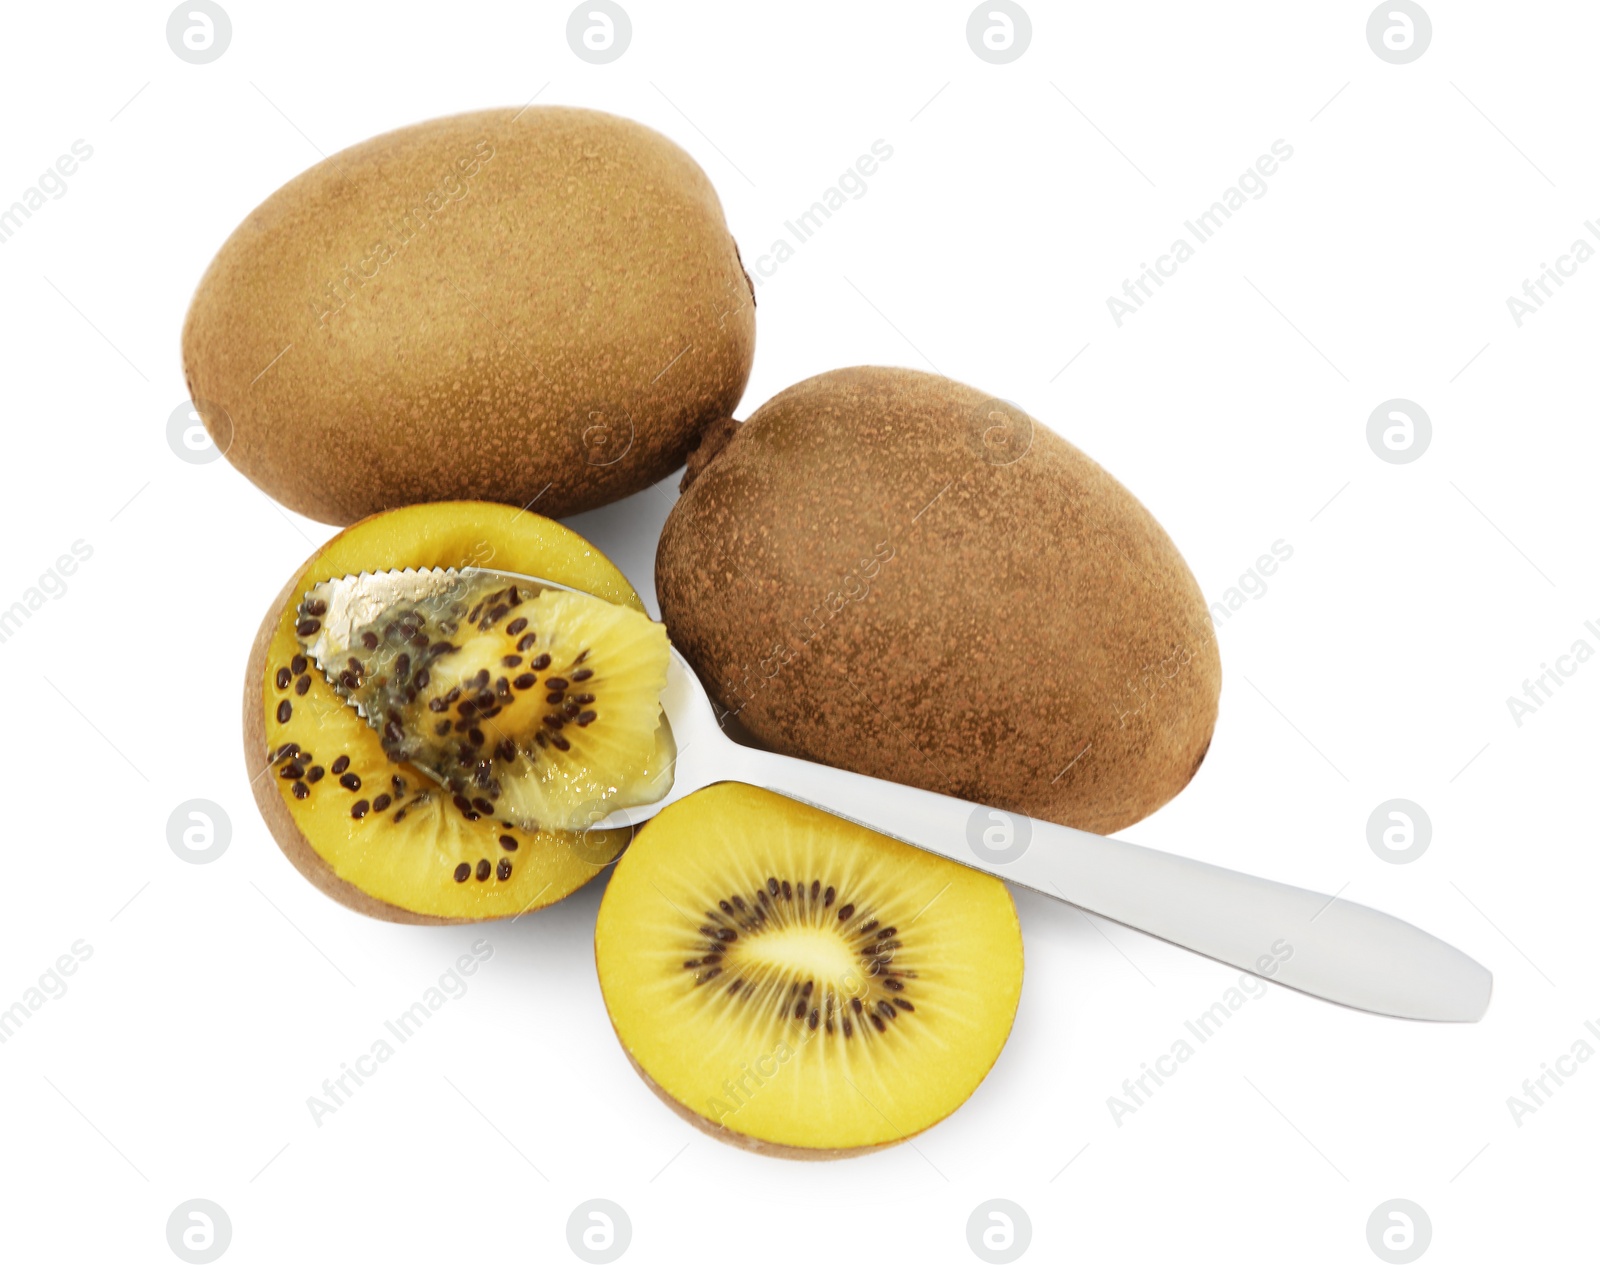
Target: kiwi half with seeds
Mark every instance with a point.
(798, 985)
(383, 834)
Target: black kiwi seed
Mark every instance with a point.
(845, 911)
(483, 806)
(301, 790)
(306, 627)
(855, 1004)
(283, 678)
(358, 809)
(525, 644)
(903, 1004)
(772, 886)
(555, 683)
(554, 698)
(340, 765)
(788, 894)
(314, 774)
(291, 771)
(816, 887)
(541, 663)
(508, 843)
(827, 897)
(369, 640)
(284, 712)
(463, 871)
(442, 728)
(583, 674)
(350, 781)
(316, 606)
(503, 870)
(560, 743)
(511, 661)
(525, 681)
(483, 870)
(381, 803)
(302, 685)
(516, 626)
(297, 665)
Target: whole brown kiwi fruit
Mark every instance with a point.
(891, 572)
(540, 306)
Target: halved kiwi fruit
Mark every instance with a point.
(396, 820)
(799, 985)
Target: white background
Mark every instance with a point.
(1377, 663)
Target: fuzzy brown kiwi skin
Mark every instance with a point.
(772, 526)
(280, 821)
(516, 349)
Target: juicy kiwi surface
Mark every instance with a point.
(540, 708)
(381, 834)
(505, 305)
(893, 573)
(797, 984)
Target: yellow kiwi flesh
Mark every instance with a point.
(514, 304)
(407, 871)
(798, 985)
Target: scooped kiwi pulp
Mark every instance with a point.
(496, 690)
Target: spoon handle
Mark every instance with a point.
(1330, 948)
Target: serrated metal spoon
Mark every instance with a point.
(1330, 948)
